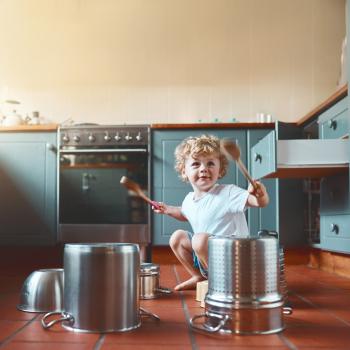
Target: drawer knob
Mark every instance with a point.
(335, 228)
(332, 124)
(51, 147)
(258, 157)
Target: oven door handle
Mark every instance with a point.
(85, 185)
(103, 150)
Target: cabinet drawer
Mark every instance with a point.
(335, 195)
(298, 158)
(334, 123)
(335, 233)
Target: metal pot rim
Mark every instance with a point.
(101, 247)
(149, 268)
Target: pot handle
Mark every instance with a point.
(144, 312)
(163, 290)
(209, 329)
(66, 317)
(267, 233)
(287, 310)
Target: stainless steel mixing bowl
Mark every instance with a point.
(42, 291)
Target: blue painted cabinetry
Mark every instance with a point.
(284, 213)
(167, 186)
(334, 197)
(261, 218)
(263, 156)
(28, 166)
(334, 122)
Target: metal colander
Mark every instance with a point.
(244, 286)
(244, 269)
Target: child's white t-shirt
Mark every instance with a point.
(220, 212)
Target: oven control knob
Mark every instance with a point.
(117, 137)
(128, 137)
(139, 136)
(76, 138)
(107, 138)
(91, 138)
(65, 138)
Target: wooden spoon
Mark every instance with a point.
(133, 186)
(231, 150)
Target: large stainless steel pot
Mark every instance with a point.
(101, 289)
(244, 293)
(149, 282)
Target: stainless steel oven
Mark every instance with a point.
(93, 206)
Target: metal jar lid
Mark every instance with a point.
(149, 269)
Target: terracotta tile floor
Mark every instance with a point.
(321, 319)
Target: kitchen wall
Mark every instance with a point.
(147, 61)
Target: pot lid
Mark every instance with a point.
(149, 268)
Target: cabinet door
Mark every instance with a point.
(167, 187)
(263, 156)
(335, 195)
(28, 188)
(262, 218)
(284, 212)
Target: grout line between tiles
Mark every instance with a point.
(11, 336)
(187, 313)
(99, 342)
(287, 342)
(324, 310)
(324, 284)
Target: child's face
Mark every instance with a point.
(202, 172)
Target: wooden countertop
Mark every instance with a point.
(215, 126)
(313, 114)
(29, 128)
(331, 100)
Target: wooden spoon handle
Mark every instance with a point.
(148, 200)
(133, 186)
(246, 174)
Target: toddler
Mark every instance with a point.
(211, 209)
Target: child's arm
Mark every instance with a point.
(174, 212)
(258, 197)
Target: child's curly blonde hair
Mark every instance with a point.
(203, 145)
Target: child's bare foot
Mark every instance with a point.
(189, 284)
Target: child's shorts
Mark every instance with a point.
(196, 262)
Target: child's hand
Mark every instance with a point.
(258, 197)
(175, 212)
(260, 190)
(160, 208)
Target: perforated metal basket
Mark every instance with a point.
(244, 270)
(244, 287)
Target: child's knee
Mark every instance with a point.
(200, 242)
(177, 237)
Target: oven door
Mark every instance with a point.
(93, 206)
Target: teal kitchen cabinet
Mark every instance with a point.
(28, 163)
(262, 218)
(284, 213)
(167, 187)
(334, 122)
(334, 197)
(335, 233)
(284, 154)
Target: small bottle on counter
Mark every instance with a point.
(35, 119)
